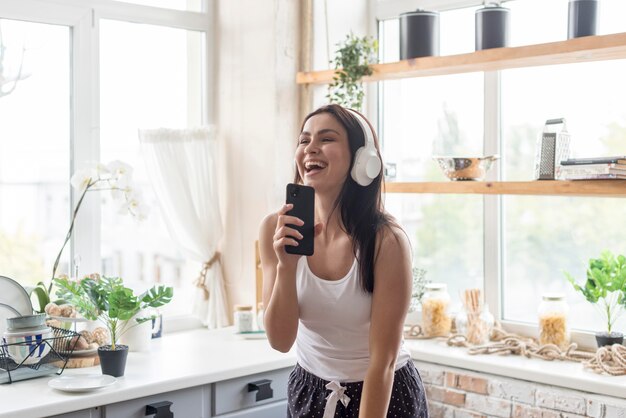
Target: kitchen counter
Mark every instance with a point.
(176, 361)
(198, 357)
(565, 374)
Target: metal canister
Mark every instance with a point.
(419, 34)
(581, 18)
(492, 27)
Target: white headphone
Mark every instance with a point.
(367, 164)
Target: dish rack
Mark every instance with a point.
(52, 363)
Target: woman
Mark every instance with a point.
(345, 305)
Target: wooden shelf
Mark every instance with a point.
(605, 188)
(584, 49)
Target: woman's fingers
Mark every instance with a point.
(285, 231)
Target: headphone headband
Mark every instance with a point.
(365, 127)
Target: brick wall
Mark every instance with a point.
(459, 393)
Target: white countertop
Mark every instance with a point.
(198, 357)
(566, 374)
(176, 361)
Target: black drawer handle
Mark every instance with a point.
(264, 389)
(160, 409)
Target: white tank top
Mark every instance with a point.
(333, 331)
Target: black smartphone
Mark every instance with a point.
(303, 200)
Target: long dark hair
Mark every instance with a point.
(362, 211)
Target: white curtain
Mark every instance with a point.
(181, 167)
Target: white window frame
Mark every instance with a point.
(83, 17)
(492, 212)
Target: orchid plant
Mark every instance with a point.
(115, 177)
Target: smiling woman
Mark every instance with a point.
(343, 306)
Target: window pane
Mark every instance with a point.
(34, 149)
(159, 87)
(189, 5)
(545, 235)
(426, 116)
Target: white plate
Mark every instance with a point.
(81, 382)
(13, 294)
(6, 311)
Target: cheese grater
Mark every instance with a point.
(552, 148)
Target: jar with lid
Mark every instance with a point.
(553, 328)
(436, 320)
(244, 318)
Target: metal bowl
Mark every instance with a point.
(465, 168)
(26, 321)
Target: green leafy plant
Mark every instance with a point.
(352, 62)
(605, 286)
(107, 299)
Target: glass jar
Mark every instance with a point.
(244, 318)
(552, 313)
(260, 312)
(436, 319)
(475, 325)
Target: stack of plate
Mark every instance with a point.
(14, 302)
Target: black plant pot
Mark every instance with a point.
(113, 362)
(604, 338)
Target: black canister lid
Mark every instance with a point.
(420, 12)
(496, 9)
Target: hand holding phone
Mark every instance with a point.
(303, 200)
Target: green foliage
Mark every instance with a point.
(108, 300)
(605, 285)
(352, 62)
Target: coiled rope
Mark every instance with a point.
(609, 359)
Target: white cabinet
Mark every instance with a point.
(261, 395)
(186, 403)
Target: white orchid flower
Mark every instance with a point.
(119, 170)
(82, 178)
(103, 170)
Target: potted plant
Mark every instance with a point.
(605, 289)
(352, 62)
(107, 299)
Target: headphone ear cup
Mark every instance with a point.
(366, 166)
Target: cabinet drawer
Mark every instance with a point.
(274, 410)
(85, 413)
(232, 395)
(187, 403)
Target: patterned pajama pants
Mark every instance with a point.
(307, 396)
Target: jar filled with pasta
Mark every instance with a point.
(436, 320)
(553, 328)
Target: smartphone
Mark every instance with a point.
(303, 200)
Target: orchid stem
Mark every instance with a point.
(69, 233)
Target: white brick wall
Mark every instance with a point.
(459, 393)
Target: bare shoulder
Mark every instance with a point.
(392, 239)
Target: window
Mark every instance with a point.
(446, 118)
(34, 148)
(63, 115)
(161, 87)
(539, 236)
